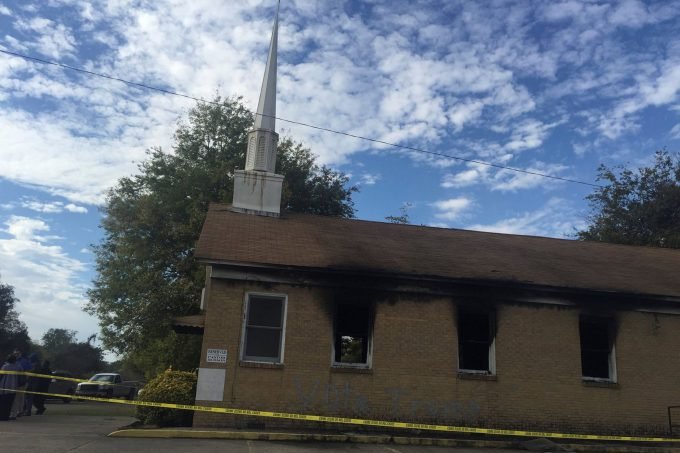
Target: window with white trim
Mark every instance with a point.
(264, 328)
(597, 348)
(353, 333)
(476, 342)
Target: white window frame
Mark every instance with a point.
(244, 326)
(492, 346)
(611, 357)
(369, 346)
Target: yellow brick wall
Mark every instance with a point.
(414, 374)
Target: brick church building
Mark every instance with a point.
(342, 317)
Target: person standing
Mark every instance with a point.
(31, 385)
(8, 385)
(42, 385)
(18, 405)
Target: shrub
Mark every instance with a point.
(177, 387)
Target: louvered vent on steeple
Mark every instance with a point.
(257, 189)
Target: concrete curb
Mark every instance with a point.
(372, 439)
(303, 437)
(230, 435)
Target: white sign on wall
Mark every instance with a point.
(210, 386)
(217, 356)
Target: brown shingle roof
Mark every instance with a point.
(329, 243)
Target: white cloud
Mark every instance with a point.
(615, 125)
(29, 7)
(45, 278)
(509, 181)
(580, 148)
(557, 11)
(52, 39)
(73, 208)
(675, 132)
(463, 113)
(39, 206)
(440, 72)
(659, 88)
(14, 43)
(370, 179)
(557, 218)
(665, 88)
(504, 180)
(529, 134)
(630, 13)
(475, 174)
(42, 152)
(25, 229)
(88, 12)
(451, 209)
(52, 207)
(5, 11)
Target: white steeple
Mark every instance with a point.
(266, 107)
(257, 189)
(262, 140)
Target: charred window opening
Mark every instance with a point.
(352, 334)
(597, 348)
(476, 336)
(263, 329)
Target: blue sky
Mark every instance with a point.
(557, 87)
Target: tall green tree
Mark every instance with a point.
(637, 207)
(65, 352)
(13, 332)
(56, 341)
(146, 271)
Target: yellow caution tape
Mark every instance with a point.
(351, 421)
(62, 378)
(49, 376)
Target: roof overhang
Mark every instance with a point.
(508, 291)
(193, 324)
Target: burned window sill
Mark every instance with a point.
(249, 364)
(477, 376)
(600, 383)
(350, 369)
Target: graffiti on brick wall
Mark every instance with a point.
(344, 399)
(439, 409)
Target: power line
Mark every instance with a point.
(299, 123)
(98, 74)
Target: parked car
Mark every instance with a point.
(61, 386)
(108, 385)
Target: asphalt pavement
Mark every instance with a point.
(84, 427)
(59, 430)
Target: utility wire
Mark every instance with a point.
(299, 123)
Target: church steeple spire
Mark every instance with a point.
(262, 140)
(266, 107)
(257, 189)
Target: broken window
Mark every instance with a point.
(476, 336)
(352, 334)
(264, 328)
(597, 348)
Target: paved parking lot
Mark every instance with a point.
(82, 428)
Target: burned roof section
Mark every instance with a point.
(336, 244)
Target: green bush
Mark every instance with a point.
(177, 387)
